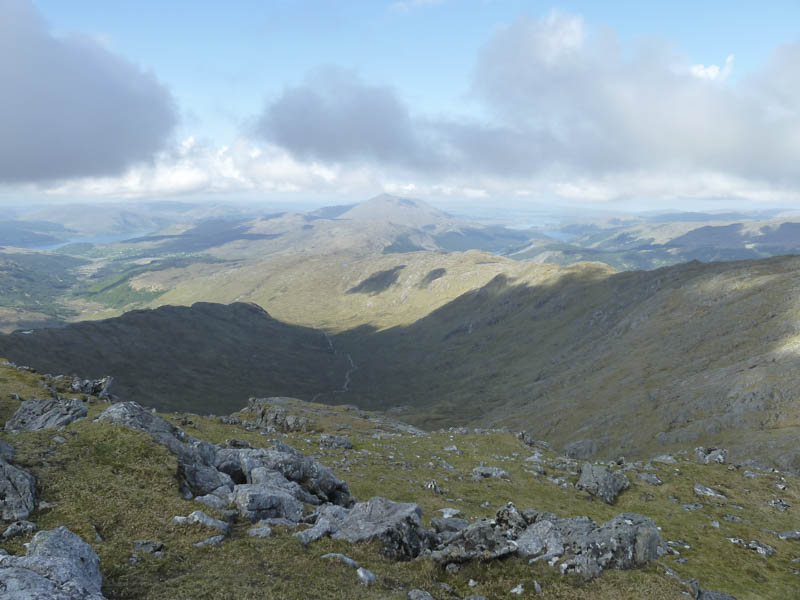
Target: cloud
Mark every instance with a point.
(69, 106)
(334, 116)
(713, 72)
(565, 113)
(561, 101)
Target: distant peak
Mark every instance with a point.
(396, 200)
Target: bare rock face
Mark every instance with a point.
(707, 456)
(59, 565)
(628, 540)
(599, 481)
(46, 413)
(577, 543)
(398, 525)
(269, 414)
(253, 465)
(256, 502)
(17, 492)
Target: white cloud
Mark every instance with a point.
(713, 72)
(570, 116)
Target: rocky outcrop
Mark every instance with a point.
(268, 413)
(335, 441)
(196, 459)
(17, 492)
(601, 482)
(261, 483)
(398, 525)
(576, 544)
(317, 484)
(707, 456)
(479, 473)
(94, 387)
(58, 565)
(45, 413)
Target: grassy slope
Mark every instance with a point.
(697, 353)
(118, 484)
(638, 361)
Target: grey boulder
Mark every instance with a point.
(479, 541)
(398, 525)
(17, 492)
(479, 473)
(269, 413)
(335, 441)
(258, 501)
(46, 413)
(599, 481)
(58, 565)
(628, 540)
(316, 479)
(707, 456)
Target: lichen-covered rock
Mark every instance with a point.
(479, 541)
(18, 528)
(398, 525)
(479, 473)
(269, 414)
(17, 492)
(707, 492)
(315, 478)
(628, 540)
(707, 456)
(599, 481)
(58, 565)
(335, 441)
(95, 387)
(45, 413)
(264, 501)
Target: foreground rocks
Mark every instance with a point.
(398, 525)
(46, 413)
(599, 481)
(575, 544)
(259, 483)
(17, 492)
(58, 565)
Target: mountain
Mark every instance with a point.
(632, 363)
(208, 356)
(660, 241)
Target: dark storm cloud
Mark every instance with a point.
(69, 107)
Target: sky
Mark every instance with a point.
(612, 105)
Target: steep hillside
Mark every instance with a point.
(632, 363)
(203, 358)
(635, 361)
